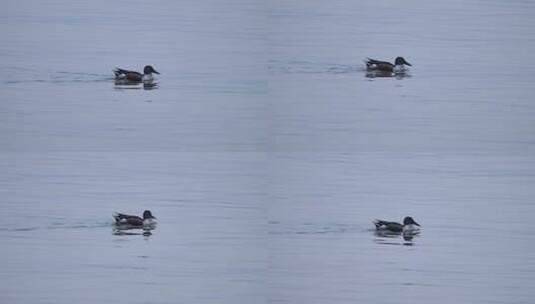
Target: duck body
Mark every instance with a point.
(134, 220)
(409, 225)
(133, 76)
(384, 66)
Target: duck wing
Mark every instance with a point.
(373, 61)
(386, 225)
(128, 75)
(121, 72)
(373, 64)
(121, 218)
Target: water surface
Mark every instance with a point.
(265, 151)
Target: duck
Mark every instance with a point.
(134, 220)
(373, 65)
(133, 76)
(409, 225)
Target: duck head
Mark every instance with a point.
(409, 221)
(148, 215)
(149, 69)
(401, 61)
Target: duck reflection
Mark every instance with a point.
(150, 85)
(390, 237)
(121, 84)
(381, 74)
(131, 230)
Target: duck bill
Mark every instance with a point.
(409, 65)
(156, 72)
(416, 224)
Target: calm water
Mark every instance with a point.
(266, 152)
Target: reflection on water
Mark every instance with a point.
(146, 230)
(388, 237)
(379, 74)
(121, 84)
(150, 86)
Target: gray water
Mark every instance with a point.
(265, 152)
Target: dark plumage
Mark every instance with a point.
(385, 66)
(121, 74)
(394, 226)
(133, 220)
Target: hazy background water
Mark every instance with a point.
(265, 152)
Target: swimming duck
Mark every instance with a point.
(133, 220)
(385, 66)
(133, 76)
(408, 225)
